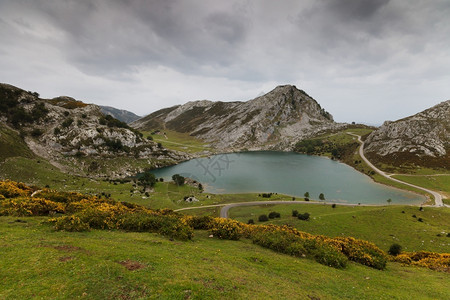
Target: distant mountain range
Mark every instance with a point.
(274, 121)
(70, 132)
(120, 114)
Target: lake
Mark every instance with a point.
(287, 173)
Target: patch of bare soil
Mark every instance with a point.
(131, 265)
(65, 258)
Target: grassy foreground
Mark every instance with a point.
(38, 262)
(380, 225)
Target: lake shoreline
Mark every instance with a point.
(330, 163)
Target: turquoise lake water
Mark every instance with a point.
(287, 173)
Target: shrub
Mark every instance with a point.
(178, 179)
(251, 221)
(420, 219)
(291, 244)
(226, 229)
(263, 218)
(56, 131)
(204, 222)
(274, 214)
(67, 122)
(37, 132)
(70, 223)
(395, 249)
(303, 217)
(306, 199)
(294, 213)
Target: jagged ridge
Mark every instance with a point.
(276, 120)
(422, 139)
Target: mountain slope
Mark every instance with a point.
(276, 120)
(119, 114)
(73, 135)
(422, 139)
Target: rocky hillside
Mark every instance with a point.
(120, 114)
(276, 120)
(69, 132)
(422, 139)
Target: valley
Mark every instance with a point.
(99, 157)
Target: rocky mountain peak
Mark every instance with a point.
(421, 138)
(275, 120)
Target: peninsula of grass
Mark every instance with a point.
(178, 141)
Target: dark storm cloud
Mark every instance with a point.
(106, 36)
(340, 51)
(355, 9)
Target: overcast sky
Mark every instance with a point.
(362, 60)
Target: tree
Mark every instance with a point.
(389, 200)
(178, 179)
(321, 196)
(306, 195)
(395, 249)
(147, 179)
(263, 218)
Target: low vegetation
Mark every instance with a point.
(82, 212)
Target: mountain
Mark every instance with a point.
(276, 120)
(422, 139)
(120, 114)
(77, 137)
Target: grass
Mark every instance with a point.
(12, 145)
(38, 262)
(179, 141)
(436, 183)
(380, 225)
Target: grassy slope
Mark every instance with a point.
(380, 225)
(11, 144)
(437, 183)
(40, 263)
(179, 141)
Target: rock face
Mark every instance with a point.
(423, 137)
(63, 129)
(274, 121)
(120, 114)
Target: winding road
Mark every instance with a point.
(437, 197)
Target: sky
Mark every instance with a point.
(363, 61)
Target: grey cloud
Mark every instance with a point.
(354, 9)
(106, 36)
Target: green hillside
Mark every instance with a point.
(38, 262)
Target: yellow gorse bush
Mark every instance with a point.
(430, 260)
(11, 189)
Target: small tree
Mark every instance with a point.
(321, 196)
(334, 205)
(263, 218)
(395, 249)
(389, 200)
(178, 179)
(147, 179)
(303, 217)
(295, 213)
(274, 214)
(306, 195)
